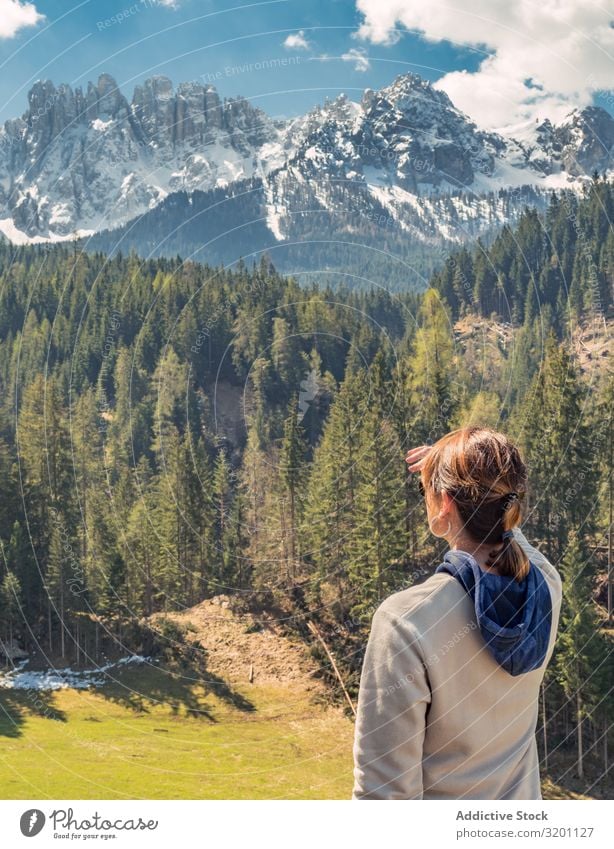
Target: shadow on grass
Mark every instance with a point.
(179, 681)
(17, 705)
(178, 689)
(224, 691)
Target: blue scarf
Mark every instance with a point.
(513, 617)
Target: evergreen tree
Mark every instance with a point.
(581, 649)
(377, 545)
(10, 609)
(223, 495)
(554, 432)
(433, 383)
(292, 473)
(331, 515)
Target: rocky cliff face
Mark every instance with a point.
(86, 160)
(419, 132)
(586, 141)
(408, 159)
(83, 161)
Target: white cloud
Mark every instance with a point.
(15, 15)
(359, 57)
(297, 41)
(545, 56)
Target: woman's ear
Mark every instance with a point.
(446, 505)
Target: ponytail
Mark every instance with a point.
(510, 560)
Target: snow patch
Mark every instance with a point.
(375, 176)
(18, 237)
(63, 679)
(101, 126)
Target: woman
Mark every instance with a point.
(449, 691)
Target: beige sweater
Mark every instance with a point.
(438, 718)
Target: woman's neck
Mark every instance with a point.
(479, 552)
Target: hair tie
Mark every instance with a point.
(507, 535)
(510, 498)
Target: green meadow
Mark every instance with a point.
(152, 736)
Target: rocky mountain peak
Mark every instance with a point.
(586, 138)
(109, 99)
(154, 109)
(77, 156)
(410, 92)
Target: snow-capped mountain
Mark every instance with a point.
(423, 162)
(402, 160)
(84, 161)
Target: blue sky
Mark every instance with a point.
(216, 42)
(499, 62)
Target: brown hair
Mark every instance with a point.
(484, 474)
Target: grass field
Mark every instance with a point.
(254, 741)
(251, 742)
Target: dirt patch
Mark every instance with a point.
(594, 348)
(241, 646)
(497, 333)
(591, 344)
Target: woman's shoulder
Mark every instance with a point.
(436, 594)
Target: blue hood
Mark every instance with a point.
(514, 618)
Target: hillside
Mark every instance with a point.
(591, 343)
(164, 731)
(231, 431)
(242, 646)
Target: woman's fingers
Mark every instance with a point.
(416, 456)
(419, 453)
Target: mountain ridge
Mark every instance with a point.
(81, 162)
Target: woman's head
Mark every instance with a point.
(474, 479)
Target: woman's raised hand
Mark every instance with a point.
(416, 456)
